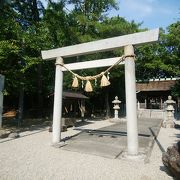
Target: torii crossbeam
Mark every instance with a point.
(126, 41)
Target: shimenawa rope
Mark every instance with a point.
(104, 80)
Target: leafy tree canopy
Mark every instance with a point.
(27, 28)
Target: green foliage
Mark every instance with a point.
(9, 58)
(176, 89)
(93, 10)
(56, 21)
(27, 28)
(160, 59)
(29, 11)
(20, 44)
(116, 26)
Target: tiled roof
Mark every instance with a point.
(155, 85)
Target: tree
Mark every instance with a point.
(176, 90)
(87, 14)
(57, 22)
(9, 48)
(23, 35)
(27, 28)
(160, 59)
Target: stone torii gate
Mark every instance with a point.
(126, 41)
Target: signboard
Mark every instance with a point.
(1, 82)
(1, 97)
(1, 108)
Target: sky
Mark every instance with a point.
(153, 13)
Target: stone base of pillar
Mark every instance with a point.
(138, 157)
(59, 145)
(116, 120)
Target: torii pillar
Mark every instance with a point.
(57, 111)
(131, 111)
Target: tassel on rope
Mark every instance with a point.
(104, 81)
(75, 83)
(88, 87)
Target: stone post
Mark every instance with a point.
(161, 106)
(131, 111)
(145, 101)
(82, 108)
(57, 112)
(138, 105)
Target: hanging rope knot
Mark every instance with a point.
(61, 64)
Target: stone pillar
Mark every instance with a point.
(145, 101)
(131, 111)
(116, 114)
(138, 105)
(57, 112)
(161, 106)
(82, 108)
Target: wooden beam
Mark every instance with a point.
(102, 45)
(92, 64)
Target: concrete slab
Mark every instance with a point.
(111, 141)
(95, 148)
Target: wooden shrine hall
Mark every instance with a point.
(153, 93)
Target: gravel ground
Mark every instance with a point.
(32, 157)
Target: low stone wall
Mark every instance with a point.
(150, 113)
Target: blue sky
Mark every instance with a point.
(153, 13)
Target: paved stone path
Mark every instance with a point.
(111, 141)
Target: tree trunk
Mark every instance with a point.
(40, 97)
(21, 106)
(35, 11)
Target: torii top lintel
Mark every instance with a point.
(102, 45)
